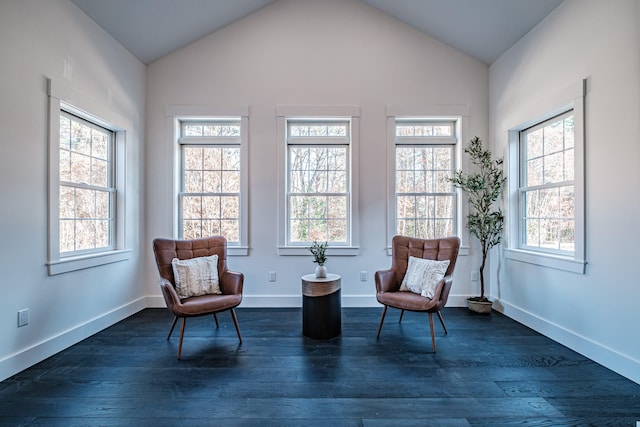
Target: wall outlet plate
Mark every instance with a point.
(363, 276)
(23, 317)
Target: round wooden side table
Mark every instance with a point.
(321, 306)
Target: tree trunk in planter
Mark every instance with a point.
(481, 304)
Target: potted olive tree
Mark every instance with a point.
(483, 187)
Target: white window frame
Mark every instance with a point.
(64, 99)
(458, 115)
(206, 113)
(570, 98)
(284, 114)
(449, 141)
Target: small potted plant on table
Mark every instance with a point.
(319, 257)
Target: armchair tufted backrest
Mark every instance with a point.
(166, 250)
(435, 249)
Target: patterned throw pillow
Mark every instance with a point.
(196, 276)
(423, 275)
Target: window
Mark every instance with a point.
(546, 215)
(87, 187)
(212, 180)
(318, 182)
(546, 185)
(425, 201)
(86, 182)
(318, 191)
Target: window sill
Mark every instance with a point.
(546, 260)
(237, 250)
(67, 265)
(334, 251)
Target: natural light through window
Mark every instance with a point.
(547, 185)
(87, 189)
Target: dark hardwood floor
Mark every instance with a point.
(488, 371)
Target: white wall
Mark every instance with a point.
(36, 38)
(596, 313)
(335, 52)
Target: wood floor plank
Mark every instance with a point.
(128, 374)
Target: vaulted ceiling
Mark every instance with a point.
(151, 29)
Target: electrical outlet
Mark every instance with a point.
(363, 276)
(272, 276)
(23, 317)
(474, 276)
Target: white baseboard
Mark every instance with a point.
(607, 357)
(36, 353)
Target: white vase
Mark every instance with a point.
(321, 272)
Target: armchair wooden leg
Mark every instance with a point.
(384, 311)
(216, 319)
(235, 322)
(184, 321)
(401, 314)
(433, 335)
(442, 321)
(173, 325)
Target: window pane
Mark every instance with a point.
(567, 235)
(532, 236)
(80, 138)
(193, 181)
(211, 182)
(554, 168)
(231, 182)
(230, 207)
(65, 133)
(210, 208)
(102, 233)
(534, 172)
(421, 178)
(405, 182)
(337, 207)
(318, 230)
(211, 159)
(406, 207)
(568, 132)
(231, 159)
(103, 205)
(230, 228)
(191, 207)
(193, 130)
(100, 148)
(67, 203)
(99, 173)
(318, 129)
(80, 168)
(553, 137)
(337, 231)
(65, 165)
(85, 234)
(569, 165)
(210, 227)
(191, 229)
(534, 144)
(192, 158)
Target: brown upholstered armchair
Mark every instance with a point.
(231, 283)
(388, 281)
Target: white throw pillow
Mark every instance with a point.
(196, 276)
(423, 275)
